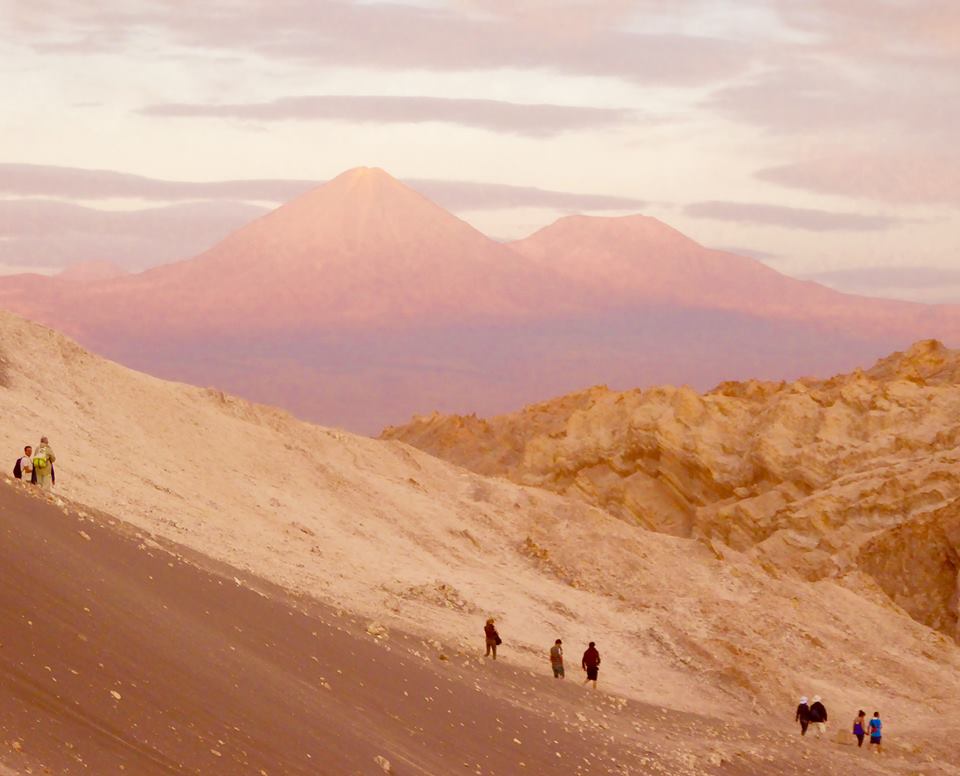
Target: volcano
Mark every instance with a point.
(361, 303)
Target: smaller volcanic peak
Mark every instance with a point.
(645, 231)
(639, 258)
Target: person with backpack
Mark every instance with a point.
(23, 468)
(818, 716)
(803, 715)
(591, 664)
(43, 459)
(492, 637)
(556, 659)
(876, 732)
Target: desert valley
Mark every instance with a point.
(436, 387)
(729, 552)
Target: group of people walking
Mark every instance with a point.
(815, 714)
(590, 662)
(808, 714)
(36, 466)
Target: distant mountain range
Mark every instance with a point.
(362, 302)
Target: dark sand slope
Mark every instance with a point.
(118, 656)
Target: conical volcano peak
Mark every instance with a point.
(369, 177)
(361, 206)
(359, 191)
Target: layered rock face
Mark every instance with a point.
(803, 475)
(918, 566)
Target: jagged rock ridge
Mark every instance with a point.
(811, 477)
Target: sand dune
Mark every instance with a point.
(122, 655)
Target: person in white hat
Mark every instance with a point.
(803, 715)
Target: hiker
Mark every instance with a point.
(818, 716)
(876, 736)
(860, 727)
(556, 659)
(493, 638)
(591, 664)
(43, 459)
(23, 468)
(803, 715)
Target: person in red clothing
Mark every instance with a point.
(591, 664)
(493, 638)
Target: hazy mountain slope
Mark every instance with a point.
(391, 533)
(361, 302)
(632, 260)
(801, 474)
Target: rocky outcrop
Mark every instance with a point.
(918, 566)
(802, 475)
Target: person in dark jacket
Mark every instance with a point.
(492, 637)
(591, 664)
(818, 716)
(803, 715)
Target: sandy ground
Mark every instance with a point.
(392, 534)
(119, 655)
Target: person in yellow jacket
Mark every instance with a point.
(43, 459)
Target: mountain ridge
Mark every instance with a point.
(361, 303)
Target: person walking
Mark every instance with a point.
(591, 664)
(556, 659)
(876, 732)
(492, 637)
(23, 468)
(818, 716)
(803, 715)
(43, 459)
(860, 727)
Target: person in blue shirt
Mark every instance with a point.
(876, 737)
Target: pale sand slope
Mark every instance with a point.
(179, 670)
(391, 533)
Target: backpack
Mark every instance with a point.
(41, 464)
(17, 472)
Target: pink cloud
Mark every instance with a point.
(888, 277)
(791, 217)
(921, 31)
(30, 180)
(807, 96)
(495, 115)
(897, 176)
(56, 234)
(385, 35)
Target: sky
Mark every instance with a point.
(818, 136)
